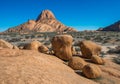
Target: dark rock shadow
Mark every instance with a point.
(79, 72)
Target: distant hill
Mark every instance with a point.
(113, 27)
(46, 22)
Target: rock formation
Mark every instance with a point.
(77, 63)
(89, 48)
(91, 71)
(113, 27)
(32, 67)
(34, 45)
(62, 45)
(46, 22)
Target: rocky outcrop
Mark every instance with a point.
(46, 14)
(62, 45)
(31, 67)
(113, 27)
(46, 22)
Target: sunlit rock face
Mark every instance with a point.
(45, 22)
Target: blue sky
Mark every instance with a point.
(80, 14)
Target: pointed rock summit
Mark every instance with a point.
(46, 22)
(46, 14)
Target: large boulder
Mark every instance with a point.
(5, 44)
(77, 63)
(62, 45)
(91, 71)
(34, 45)
(98, 60)
(89, 48)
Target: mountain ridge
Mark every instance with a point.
(113, 27)
(45, 22)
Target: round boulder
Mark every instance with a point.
(43, 49)
(91, 71)
(77, 63)
(34, 45)
(98, 60)
(89, 48)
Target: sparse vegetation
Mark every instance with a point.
(115, 50)
(117, 59)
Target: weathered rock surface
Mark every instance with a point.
(46, 22)
(5, 44)
(77, 63)
(31, 67)
(34, 45)
(91, 71)
(62, 45)
(37, 46)
(89, 48)
(43, 49)
(98, 60)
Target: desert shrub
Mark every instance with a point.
(114, 51)
(117, 59)
(47, 43)
(98, 38)
(14, 40)
(32, 36)
(27, 37)
(87, 37)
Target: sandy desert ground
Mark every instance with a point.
(19, 66)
